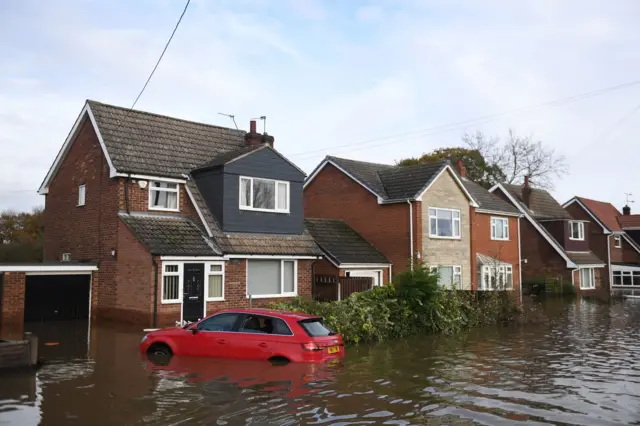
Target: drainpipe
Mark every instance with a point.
(609, 264)
(410, 233)
(126, 192)
(155, 292)
(520, 260)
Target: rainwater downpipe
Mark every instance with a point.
(155, 292)
(609, 263)
(410, 233)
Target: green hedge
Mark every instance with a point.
(415, 304)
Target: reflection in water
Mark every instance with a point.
(580, 367)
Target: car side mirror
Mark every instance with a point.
(194, 331)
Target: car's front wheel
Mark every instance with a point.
(159, 354)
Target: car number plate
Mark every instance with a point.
(333, 349)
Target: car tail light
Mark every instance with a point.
(310, 346)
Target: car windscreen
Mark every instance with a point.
(315, 328)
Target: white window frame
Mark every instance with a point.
(433, 214)
(457, 271)
(495, 271)
(282, 293)
(367, 274)
(617, 241)
(82, 195)
(591, 272)
(580, 230)
(623, 273)
(176, 191)
(207, 274)
(500, 221)
(180, 282)
(251, 208)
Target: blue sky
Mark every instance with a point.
(328, 74)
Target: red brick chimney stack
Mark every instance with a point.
(252, 137)
(462, 171)
(526, 192)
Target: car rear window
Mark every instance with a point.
(315, 328)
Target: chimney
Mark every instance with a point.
(461, 169)
(252, 137)
(526, 192)
(626, 210)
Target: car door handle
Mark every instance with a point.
(222, 341)
(262, 344)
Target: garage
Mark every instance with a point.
(56, 297)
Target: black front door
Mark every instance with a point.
(193, 295)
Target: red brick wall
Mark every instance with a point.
(542, 260)
(88, 232)
(599, 276)
(235, 291)
(481, 242)
(624, 254)
(333, 195)
(324, 267)
(139, 199)
(12, 302)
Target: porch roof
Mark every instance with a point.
(483, 259)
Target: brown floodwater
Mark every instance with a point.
(580, 366)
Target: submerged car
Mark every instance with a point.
(261, 334)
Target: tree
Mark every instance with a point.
(21, 236)
(477, 168)
(518, 157)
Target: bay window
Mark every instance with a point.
(163, 196)
(495, 277)
(272, 278)
(444, 223)
(264, 195)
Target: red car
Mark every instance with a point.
(261, 334)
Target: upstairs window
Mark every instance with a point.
(265, 195)
(82, 194)
(576, 231)
(499, 228)
(618, 241)
(444, 223)
(163, 196)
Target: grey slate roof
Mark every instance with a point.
(343, 244)
(170, 235)
(146, 143)
(391, 182)
(487, 200)
(542, 204)
(584, 258)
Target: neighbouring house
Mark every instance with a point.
(630, 223)
(181, 218)
(554, 245)
(609, 239)
(413, 213)
(347, 253)
(495, 240)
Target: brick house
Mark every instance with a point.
(556, 244)
(423, 212)
(182, 218)
(609, 240)
(495, 240)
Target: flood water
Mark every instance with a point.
(581, 366)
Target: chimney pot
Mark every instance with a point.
(252, 126)
(526, 192)
(626, 210)
(526, 181)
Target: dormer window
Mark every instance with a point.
(576, 231)
(265, 195)
(163, 196)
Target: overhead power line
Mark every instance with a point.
(464, 123)
(186, 6)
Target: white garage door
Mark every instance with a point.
(376, 275)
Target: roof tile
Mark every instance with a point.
(605, 212)
(487, 200)
(542, 205)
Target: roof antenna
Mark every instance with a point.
(264, 122)
(628, 198)
(231, 116)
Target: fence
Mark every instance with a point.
(329, 287)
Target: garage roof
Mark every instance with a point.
(53, 267)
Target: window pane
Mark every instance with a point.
(288, 277)
(172, 200)
(171, 268)
(456, 228)
(170, 287)
(280, 327)
(222, 322)
(215, 286)
(245, 192)
(283, 196)
(166, 185)
(446, 276)
(263, 277)
(626, 279)
(81, 195)
(617, 278)
(264, 194)
(315, 328)
(445, 223)
(433, 226)
(216, 268)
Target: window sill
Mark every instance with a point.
(251, 209)
(215, 299)
(273, 296)
(438, 237)
(79, 205)
(171, 302)
(161, 209)
(500, 239)
(576, 239)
